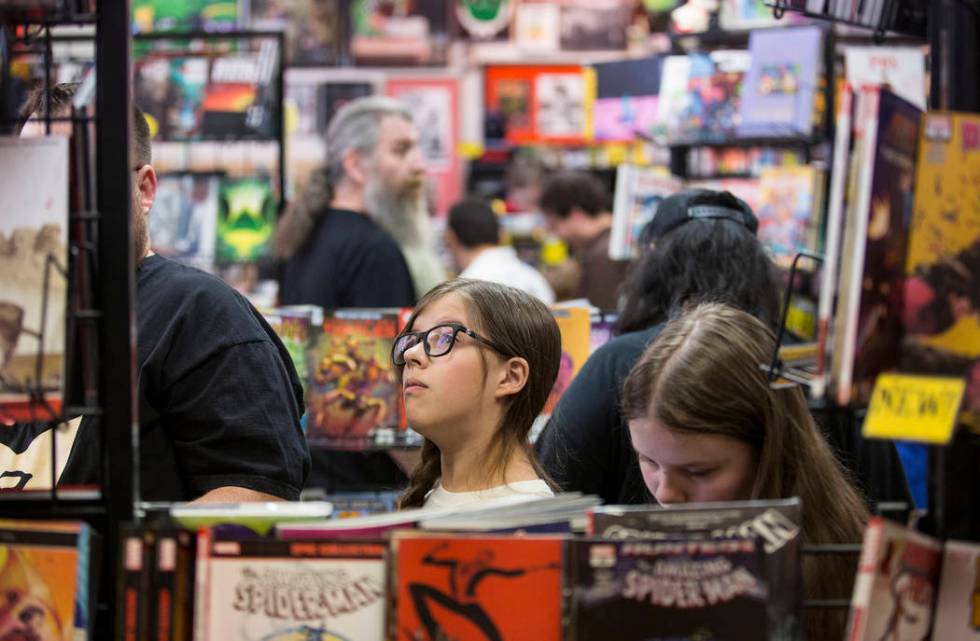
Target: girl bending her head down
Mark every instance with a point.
(476, 361)
(707, 426)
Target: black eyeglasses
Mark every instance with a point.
(437, 341)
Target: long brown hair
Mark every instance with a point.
(701, 375)
(524, 327)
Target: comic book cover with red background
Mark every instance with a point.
(353, 395)
(477, 589)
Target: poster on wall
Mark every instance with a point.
(434, 106)
(524, 104)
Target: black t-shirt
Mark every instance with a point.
(349, 262)
(219, 398)
(586, 444)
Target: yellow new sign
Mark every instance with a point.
(914, 408)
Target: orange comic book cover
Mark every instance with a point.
(477, 589)
(575, 324)
(352, 387)
(39, 587)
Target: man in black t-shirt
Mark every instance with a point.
(219, 398)
(338, 246)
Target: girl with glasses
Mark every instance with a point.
(476, 362)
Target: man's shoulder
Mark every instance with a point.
(164, 277)
(354, 230)
(169, 291)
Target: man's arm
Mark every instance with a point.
(231, 494)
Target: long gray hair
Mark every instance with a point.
(356, 126)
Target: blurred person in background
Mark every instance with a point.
(473, 240)
(576, 208)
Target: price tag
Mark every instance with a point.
(914, 408)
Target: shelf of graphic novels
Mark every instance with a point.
(468, 573)
(907, 17)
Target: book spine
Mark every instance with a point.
(131, 569)
(202, 585)
(163, 597)
(868, 104)
(861, 598)
(834, 226)
(184, 587)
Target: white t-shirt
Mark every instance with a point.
(438, 497)
(501, 265)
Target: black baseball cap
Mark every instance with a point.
(698, 204)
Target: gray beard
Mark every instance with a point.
(402, 216)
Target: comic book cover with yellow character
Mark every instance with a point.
(942, 284)
(353, 399)
(44, 580)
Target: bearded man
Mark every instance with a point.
(357, 236)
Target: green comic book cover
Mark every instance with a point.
(246, 220)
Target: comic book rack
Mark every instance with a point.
(951, 88)
(101, 304)
(888, 16)
(160, 43)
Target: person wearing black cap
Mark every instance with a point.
(700, 247)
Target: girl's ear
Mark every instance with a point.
(513, 377)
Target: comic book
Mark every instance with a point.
(172, 585)
(33, 256)
(281, 590)
(780, 92)
(601, 331)
(790, 211)
(136, 562)
(876, 252)
(673, 97)
(185, 217)
(775, 523)
(714, 86)
(575, 326)
(353, 399)
(246, 220)
(184, 15)
(312, 28)
(840, 170)
(294, 325)
(242, 99)
(170, 91)
(901, 69)
(942, 272)
(476, 588)
(45, 580)
(895, 589)
(958, 604)
(667, 590)
(639, 190)
(626, 101)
